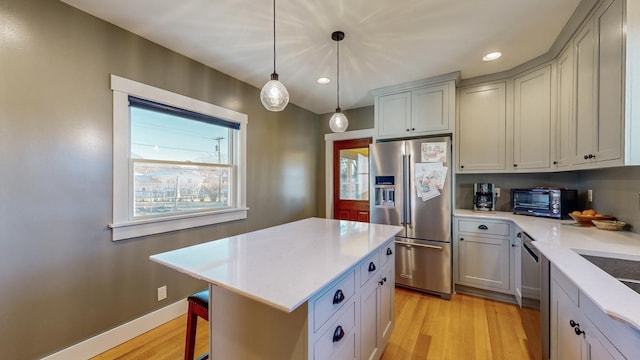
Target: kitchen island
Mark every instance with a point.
(310, 289)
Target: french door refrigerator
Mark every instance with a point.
(411, 187)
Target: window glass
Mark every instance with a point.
(354, 174)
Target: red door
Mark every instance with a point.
(351, 180)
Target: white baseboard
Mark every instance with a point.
(116, 336)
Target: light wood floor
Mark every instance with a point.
(427, 327)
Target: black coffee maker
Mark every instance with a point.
(483, 197)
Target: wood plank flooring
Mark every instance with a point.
(427, 327)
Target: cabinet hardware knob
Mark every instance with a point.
(515, 165)
(513, 245)
(573, 323)
(519, 235)
(384, 279)
(461, 166)
(372, 267)
(338, 297)
(578, 331)
(586, 157)
(413, 129)
(408, 130)
(380, 282)
(461, 239)
(592, 156)
(389, 251)
(338, 334)
(483, 227)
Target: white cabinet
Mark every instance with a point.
(572, 334)
(599, 87)
(482, 128)
(566, 121)
(376, 303)
(426, 107)
(533, 119)
(483, 254)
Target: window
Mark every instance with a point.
(178, 162)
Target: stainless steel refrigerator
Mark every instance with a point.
(411, 187)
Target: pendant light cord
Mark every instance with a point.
(274, 36)
(338, 76)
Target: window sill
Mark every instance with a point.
(137, 228)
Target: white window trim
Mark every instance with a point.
(124, 228)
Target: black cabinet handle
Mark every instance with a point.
(372, 267)
(382, 281)
(586, 157)
(483, 227)
(578, 331)
(338, 334)
(461, 166)
(413, 129)
(461, 239)
(555, 163)
(515, 165)
(408, 130)
(519, 235)
(389, 251)
(513, 245)
(573, 323)
(338, 297)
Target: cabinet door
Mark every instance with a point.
(585, 95)
(430, 109)
(565, 343)
(610, 29)
(386, 305)
(484, 262)
(532, 120)
(393, 114)
(597, 347)
(566, 121)
(482, 128)
(369, 320)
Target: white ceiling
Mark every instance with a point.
(387, 42)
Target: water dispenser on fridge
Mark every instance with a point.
(385, 192)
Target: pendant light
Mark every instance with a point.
(338, 121)
(274, 95)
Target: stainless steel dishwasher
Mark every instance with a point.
(422, 264)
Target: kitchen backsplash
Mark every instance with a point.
(616, 191)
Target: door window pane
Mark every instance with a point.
(354, 174)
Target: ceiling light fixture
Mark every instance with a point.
(338, 121)
(491, 56)
(323, 80)
(274, 95)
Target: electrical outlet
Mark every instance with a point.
(590, 195)
(497, 192)
(162, 292)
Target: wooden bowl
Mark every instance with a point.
(586, 220)
(613, 225)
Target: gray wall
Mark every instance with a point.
(62, 279)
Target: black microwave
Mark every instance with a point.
(545, 202)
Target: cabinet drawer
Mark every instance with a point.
(484, 227)
(329, 346)
(324, 306)
(369, 267)
(387, 252)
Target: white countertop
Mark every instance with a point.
(560, 242)
(282, 266)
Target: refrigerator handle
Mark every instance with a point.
(404, 190)
(407, 193)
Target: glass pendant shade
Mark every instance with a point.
(338, 122)
(274, 95)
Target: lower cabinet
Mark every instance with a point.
(572, 334)
(484, 255)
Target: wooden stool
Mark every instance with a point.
(198, 306)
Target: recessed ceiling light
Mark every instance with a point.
(323, 80)
(492, 56)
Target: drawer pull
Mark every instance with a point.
(483, 227)
(382, 281)
(389, 251)
(372, 267)
(338, 334)
(338, 297)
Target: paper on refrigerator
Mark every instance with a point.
(429, 179)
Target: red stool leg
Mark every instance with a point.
(192, 323)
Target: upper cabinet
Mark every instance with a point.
(573, 112)
(421, 108)
(481, 128)
(533, 119)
